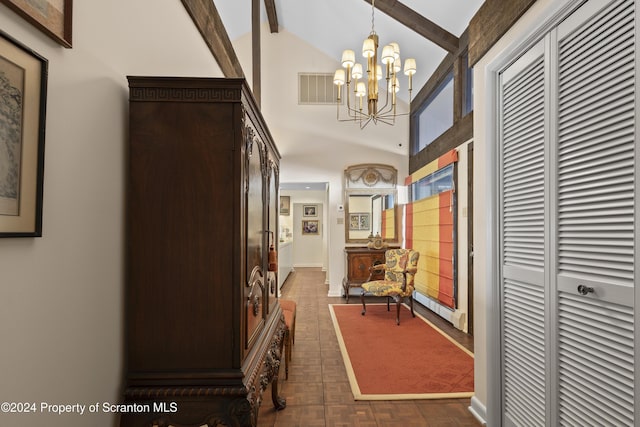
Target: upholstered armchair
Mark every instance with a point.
(399, 268)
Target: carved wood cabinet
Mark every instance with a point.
(358, 260)
(204, 328)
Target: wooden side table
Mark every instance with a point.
(358, 260)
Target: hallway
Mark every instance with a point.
(318, 392)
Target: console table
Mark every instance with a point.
(358, 260)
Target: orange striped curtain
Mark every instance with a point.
(430, 230)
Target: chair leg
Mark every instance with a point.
(398, 301)
(388, 299)
(364, 307)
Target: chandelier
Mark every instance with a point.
(366, 87)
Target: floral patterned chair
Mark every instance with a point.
(400, 268)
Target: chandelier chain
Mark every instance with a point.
(373, 8)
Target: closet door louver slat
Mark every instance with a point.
(595, 218)
(523, 240)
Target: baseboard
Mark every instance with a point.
(478, 410)
(335, 292)
(311, 265)
(442, 311)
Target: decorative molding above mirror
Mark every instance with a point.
(370, 203)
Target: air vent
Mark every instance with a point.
(316, 89)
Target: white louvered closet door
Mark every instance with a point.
(523, 218)
(567, 223)
(595, 215)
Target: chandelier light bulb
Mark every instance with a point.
(396, 49)
(409, 66)
(388, 55)
(397, 66)
(361, 90)
(356, 73)
(368, 48)
(348, 58)
(338, 77)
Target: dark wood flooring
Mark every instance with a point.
(318, 392)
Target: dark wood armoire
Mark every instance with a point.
(204, 328)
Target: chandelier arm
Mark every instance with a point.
(370, 94)
(348, 96)
(381, 110)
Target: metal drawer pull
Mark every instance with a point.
(584, 290)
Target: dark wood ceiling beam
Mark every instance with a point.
(270, 6)
(206, 18)
(418, 23)
(491, 22)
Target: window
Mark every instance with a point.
(435, 183)
(436, 116)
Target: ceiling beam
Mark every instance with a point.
(418, 23)
(205, 15)
(270, 6)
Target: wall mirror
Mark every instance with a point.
(370, 203)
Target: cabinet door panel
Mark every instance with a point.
(255, 303)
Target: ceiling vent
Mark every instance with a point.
(316, 89)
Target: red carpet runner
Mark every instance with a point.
(385, 361)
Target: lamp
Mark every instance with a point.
(352, 74)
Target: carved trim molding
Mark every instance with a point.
(161, 94)
(370, 175)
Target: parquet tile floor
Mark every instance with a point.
(317, 391)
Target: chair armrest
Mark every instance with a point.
(412, 270)
(375, 268)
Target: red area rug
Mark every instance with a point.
(414, 360)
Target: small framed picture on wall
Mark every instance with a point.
(310, 210)
(359, 221)
(285, 205)
(310, 226)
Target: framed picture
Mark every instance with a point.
(310, 210)
(310, 226)
(52, 17)
(285, 205)
(359, 221)
(23, 91)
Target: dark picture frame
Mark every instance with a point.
(310, 210)
(23, 93)
(45, 16)
(310, 226)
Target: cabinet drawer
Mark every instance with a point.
(359, 265)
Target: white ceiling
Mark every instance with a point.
(334, 25)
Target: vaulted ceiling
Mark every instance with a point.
(318, 31)
(425, 30)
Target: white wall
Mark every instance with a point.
(307, 248)
(61, 299)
